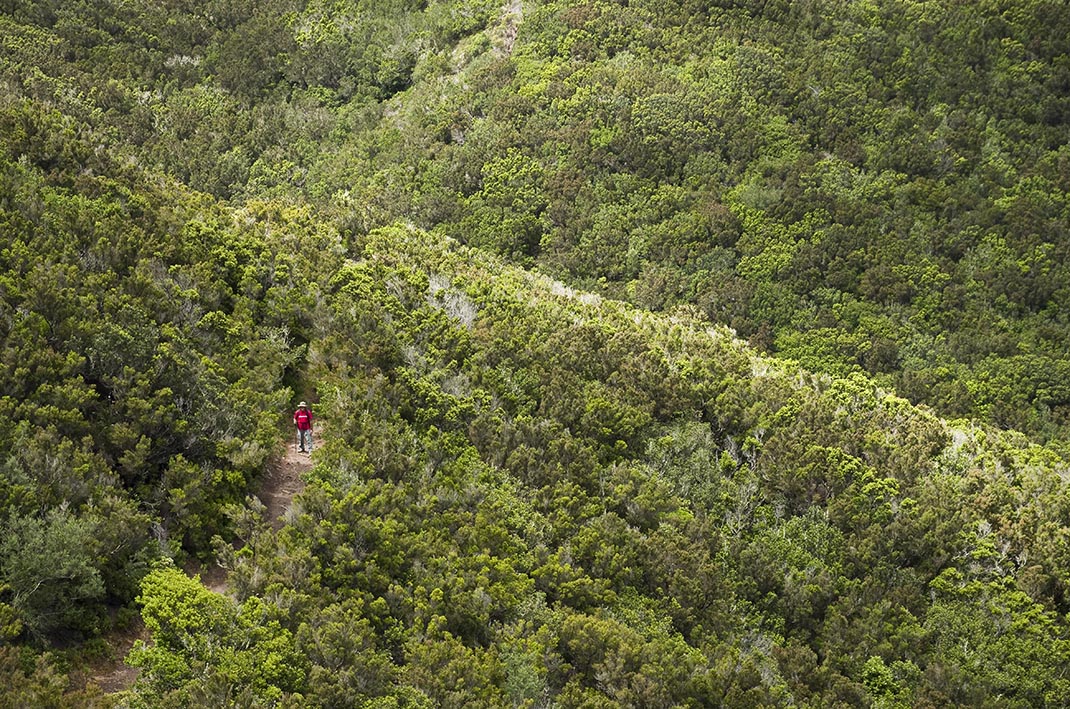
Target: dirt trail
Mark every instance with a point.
(277, 492)
(111, 673)
(282, 483)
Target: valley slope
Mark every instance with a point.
(666, 356)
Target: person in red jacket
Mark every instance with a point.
(303, 421)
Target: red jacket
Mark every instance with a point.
(303, 419)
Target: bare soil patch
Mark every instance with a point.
(111, 673)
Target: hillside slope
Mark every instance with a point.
(858, 186)
(532, 496)
(534, 493)
(148, 339)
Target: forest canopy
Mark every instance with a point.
(668, 354)
(858, 186)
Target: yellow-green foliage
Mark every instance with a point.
(528, 492)
(575, 499)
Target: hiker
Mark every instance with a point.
(303, 421)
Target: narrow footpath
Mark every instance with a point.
(282, 483)
(277, 490)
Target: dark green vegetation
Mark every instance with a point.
(530, 495)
